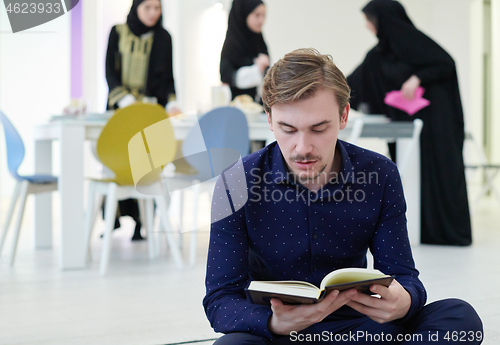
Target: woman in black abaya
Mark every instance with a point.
(139, 68)
(244, 57)
(405, 59)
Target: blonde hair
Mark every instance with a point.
(299, 74)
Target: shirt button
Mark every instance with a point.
(315, 236)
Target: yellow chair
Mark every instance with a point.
(136, 143)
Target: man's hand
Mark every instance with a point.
(288, 318)
(393, 304)
(409, 87)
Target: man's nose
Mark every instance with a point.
(304, 145)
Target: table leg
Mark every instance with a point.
(411, 186)
(72, 251)
(42, 218)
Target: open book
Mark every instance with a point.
(298, 292)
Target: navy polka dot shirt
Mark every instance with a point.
(265, 226)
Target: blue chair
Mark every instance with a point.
(25, 185)
(218, 142)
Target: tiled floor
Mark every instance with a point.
(144, 301)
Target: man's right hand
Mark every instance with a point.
(288, 318)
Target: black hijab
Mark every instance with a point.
(399, 38)
(242, 45)
(134, 23)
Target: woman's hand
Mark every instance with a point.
(262, 61)
(288, 318)
(410, 87)
(173, 108)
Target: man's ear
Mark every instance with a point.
(269, 121)
(345, 116)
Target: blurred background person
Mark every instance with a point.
(139, 68)
(244, 57)
(404, 59)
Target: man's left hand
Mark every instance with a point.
(394, 303)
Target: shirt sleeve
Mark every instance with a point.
(248, 77)
(225, 303)
(390, 245)
(127, 100)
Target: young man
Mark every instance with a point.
(307, 205)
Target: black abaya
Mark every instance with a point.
(404, 51)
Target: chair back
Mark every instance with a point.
(224, 134)
(14, 146)
(136, 143)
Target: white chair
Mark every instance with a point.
(491, 171)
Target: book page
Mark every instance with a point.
(348, 275)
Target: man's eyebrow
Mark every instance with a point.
(315, 125)
(284, 124)
(321, 123)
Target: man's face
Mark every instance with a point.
(307, 133)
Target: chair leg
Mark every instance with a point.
(19, 220)
(142, 213)
(491, 184)
(89, 218)
(194, 230)
(149, 218)
(10, 212)
(488, 186)
(161, 203)
(110, 214)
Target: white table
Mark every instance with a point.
(72, 134)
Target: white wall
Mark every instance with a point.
(34, 82)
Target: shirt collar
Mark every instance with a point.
(280, 170)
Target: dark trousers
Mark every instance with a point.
(450, 321)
